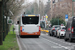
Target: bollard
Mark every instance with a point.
(13, 30)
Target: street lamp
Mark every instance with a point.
(73, 7)
(58, 20)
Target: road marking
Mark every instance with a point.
(18, 43)
(24, 45)
(60, 41)
(55, 47)
(38, 44)
(57, 44)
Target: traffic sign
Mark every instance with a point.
(66, 16)
(10, 21)
(46, 16)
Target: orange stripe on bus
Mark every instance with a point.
(25, 33)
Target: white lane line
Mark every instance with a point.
(60, 41)
(24, 45)
(56, 43)
(55, 47)
(39, 45)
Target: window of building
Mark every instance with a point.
(61, 0)
(53, 1)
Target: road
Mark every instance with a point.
(46, 42)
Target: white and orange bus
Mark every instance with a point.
(29, 25)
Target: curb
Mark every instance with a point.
(20, 48)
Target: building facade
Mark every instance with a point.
(60, 8)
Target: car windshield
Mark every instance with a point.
(55, 26)
(63, 28)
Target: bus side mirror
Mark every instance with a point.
(17, 22)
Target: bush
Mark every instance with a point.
(57, 21)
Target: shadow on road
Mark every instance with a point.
(29, 37)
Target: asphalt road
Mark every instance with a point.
(45, 42)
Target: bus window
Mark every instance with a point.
(30, 20)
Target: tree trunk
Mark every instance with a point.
(1, 12)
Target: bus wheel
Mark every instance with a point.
(37, 36)
(20, 36)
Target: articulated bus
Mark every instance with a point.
(29, 25)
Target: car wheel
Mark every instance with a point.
(70, 40)
(59, 35)
(65, 39)
(52, 34)
(56, 35)
(49, 33)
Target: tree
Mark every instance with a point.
(47, 7)
(57, 21)
(32, 9)
(1, 23)
(8, 8)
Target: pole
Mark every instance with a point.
(58, 21)
(6, 27)
(72, 9)
(51, 8)
(39, 6)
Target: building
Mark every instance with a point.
(60, 8)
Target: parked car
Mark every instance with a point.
(70, 29)
(55, 34)
(52, 30)
(61, 31)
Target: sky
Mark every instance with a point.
(29, 1)
(26, 2)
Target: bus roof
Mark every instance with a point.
(31, 15)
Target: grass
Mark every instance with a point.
(10, 42)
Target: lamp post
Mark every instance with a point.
(73, 7)
(58, 20)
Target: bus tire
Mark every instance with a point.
(37, 36)
(20, 36)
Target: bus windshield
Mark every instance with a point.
(30, 20)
